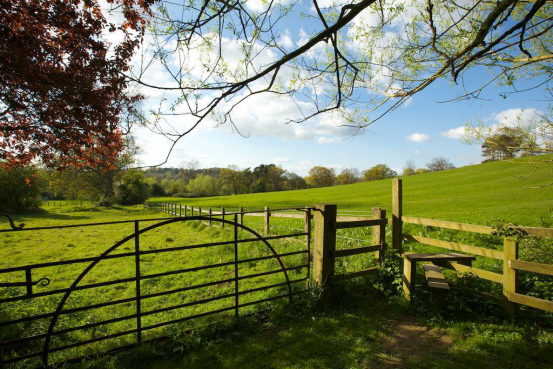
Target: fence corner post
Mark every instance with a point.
(510, 275)
(397, 204)
(324, 245)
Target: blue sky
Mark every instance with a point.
(419, 130)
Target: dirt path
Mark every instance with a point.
(411, 342)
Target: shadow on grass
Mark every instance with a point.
(358, 329)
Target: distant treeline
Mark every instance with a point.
(24, 189)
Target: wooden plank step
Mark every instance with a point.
(439, 257)
(435, 277)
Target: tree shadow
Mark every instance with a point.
(359, 330)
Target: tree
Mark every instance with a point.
(321, 177)
(410, 168)
(233, 180)
(20, 189)
(421, 171)
(203, 185)
(156, 190)
(295, 182)
(133, 188)
(275, 178)
(371, 56)
(516, 137)
(505, 144)
(379, 171)
(439, 163)
(61, 84)
(348, 176)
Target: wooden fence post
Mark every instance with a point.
(324, 245)
(241, 217)
(510, 275)
(223, 217)
(199, 213)
(266, 224)
(379, 234)
(191, 211)
(209, 216)
(180, 210)
(397, 203)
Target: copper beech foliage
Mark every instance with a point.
(61, 86)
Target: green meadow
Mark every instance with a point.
(472, 194)
(367, 324)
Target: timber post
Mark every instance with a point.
(324, 246)
(266, 224)
(241, 216)
(510, 275)
(379, 234)
(397, 204)
(223, 217)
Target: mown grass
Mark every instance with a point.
(473, 194)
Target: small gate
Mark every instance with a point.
(53, 316)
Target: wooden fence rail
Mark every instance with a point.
(327, 222)
(509, 255)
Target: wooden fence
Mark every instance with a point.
(509, 255)
(324, 249)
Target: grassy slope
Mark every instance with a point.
(473, 194)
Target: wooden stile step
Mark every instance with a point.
(435, 277)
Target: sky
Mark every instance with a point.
(420, 130)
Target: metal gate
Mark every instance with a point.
(54, 330)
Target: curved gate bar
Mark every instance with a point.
(70, 290)
(12, 223)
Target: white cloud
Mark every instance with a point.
(454, 133)
(282, 159)
(416, 152)
(285, 40)
(418, 137)
(325, 140)
(517, 116)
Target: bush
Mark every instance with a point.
(133, 189)
(20, 190)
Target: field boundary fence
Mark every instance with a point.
(43, 344)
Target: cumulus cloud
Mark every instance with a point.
(281, 159)
(517, 116)
(418, 137)
(454, 133)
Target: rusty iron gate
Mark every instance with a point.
(33, 338)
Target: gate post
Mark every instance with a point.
(379, 234)
(397, 204)
(324, 245)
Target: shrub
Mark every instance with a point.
(20, 190)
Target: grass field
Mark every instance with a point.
(472, 194)
(367, 324)
(42, 246)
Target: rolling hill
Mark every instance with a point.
(475, 194)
